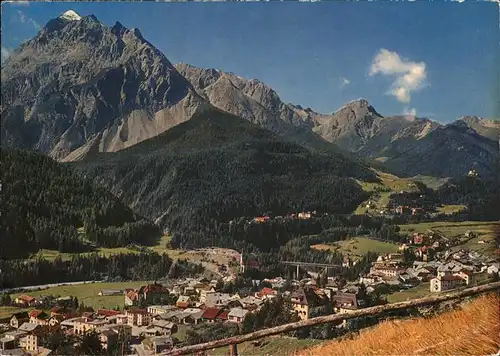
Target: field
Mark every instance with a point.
(88, 293)
(420, 291)
(450, 209)
(388, 182)
(392, 184)
(430, 182)
(358, 246)
(486, 232)
(281, 345)
(6, 312)
(209, 258)
(473, 329)
(160, 247)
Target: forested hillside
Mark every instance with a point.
(131, 266)
(481, 196)
(45, 203)
(217, 167)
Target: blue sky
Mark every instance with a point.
(438, 59)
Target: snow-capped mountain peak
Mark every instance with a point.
(70, 15)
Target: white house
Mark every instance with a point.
(446, 282)
(236, 315)
(494, 268)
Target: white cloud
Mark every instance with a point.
(409, 76)
(411, 112)
(21, 16)
(344, 82)
(5, 53)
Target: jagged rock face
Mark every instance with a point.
(250, 99)
(358, 127)
(79, 85)
(484, 127)
(351, 126)
(410, 145)
(450, 150)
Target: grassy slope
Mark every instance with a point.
(450, 209)
(380, 200)
(87, 293)
(420, 291)
(396, 184)
(431, 182)
(359, 246)
(6, 312)
(160, 246)
(471, 330)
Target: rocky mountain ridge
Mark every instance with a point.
(405, 143)
(80, 86)
(250, 99)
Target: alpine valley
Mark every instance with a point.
(183, 146)
(149, 206)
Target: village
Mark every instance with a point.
(152, 316)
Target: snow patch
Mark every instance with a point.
(70, 15)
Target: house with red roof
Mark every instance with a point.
(107, 312)
(210, 314)
(223, 317)
(39, 317)
(60, 311)
(131, 298)
(149, 294)
(266, 293)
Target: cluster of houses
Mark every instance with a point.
(444, 270)
(150, 328)
(154, 312)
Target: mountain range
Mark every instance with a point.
(79, 87)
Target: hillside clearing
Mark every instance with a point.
(430, 182)
(160, 247)
(389, 184)
(358, 246)
(473, 329)
(454, 228)
(88, 293)
(450, 209)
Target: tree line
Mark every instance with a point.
(131, 266)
